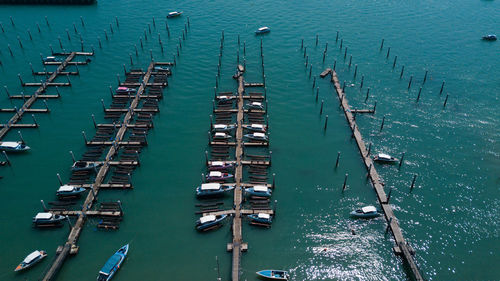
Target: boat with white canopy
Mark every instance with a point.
(208, 221)
(259, 190)
(13, 146)
(385, 158)
(212, 190)
(257, 136)
(65, 191)
(31, 259)
(367, 212)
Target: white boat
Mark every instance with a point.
(273, 274)
(225, 98)
(262, 30)
(50, 59)
(125, 90)
(256, 127)
(257, 136)
(84, 165)
(367, 212)
(47, 219)
(223, 127)
(13, 146)
(221, 136)
(31, 260)
(259, 190)
(174, 14)
(382, 157)
(256, 105)
(69, 191)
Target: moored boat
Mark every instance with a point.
(50, 59)
(256, 127)
(263, 30)
(367, 212)
(255, 105)
(69, 191)
(13, 146)
(218, 176)
(225, 98)
(223, 127)
(124, 90)
(174, 14)
(386, 158)
(212, 190)
(206, 222)
(272, 274)
(162, 68)
(259, 190)
(490, 37)
(47, 219)
(221, 136)
(261, 218)
(113, 264)
(220, 166)
(31, 259)
(84, 165)
(257, 136)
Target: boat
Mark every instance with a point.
(162, 68)
(221, 136)
(84, 165)
(174, 14)
(257, 136)
(218, 176)
(206, 222)
(223, 127)
(261, 218)
(31, 260)
(367, 212)
(263, 30)
(50, 59)
(113, 264)
(225, 98)
(212, 190)
(272, 274)
(124, 90)
(13, 146)
(256, 127)
(259, 190)
(490, 37)
(386, 158)
(47, 219)
(220, 166)
(255, 105)
(69, 191)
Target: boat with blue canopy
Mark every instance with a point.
(113, 264)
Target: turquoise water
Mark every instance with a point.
(450, 218)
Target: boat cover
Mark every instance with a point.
(215, 174)
(264, 216)
(217, 163)
(208, 218)
(66, 188)
(43, 216)
(259, 135)
(220, 126)
(32, 256)
(10, 144)
(260, 188)
(257, 126)
(222, 135)
(112, 262)
(384, 156)
(368, 209)
(210, 186)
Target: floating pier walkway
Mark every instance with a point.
(120, 142)
(402, 248)
(29, 100)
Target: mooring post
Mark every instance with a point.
(34, 120)
(419, 91)
(314, 82)
(442, 87)
(388, 52)
(413, 182)
(409, 83)
(59, 178)
(310, 70)
(326, 123)
(445, 101)
(394, 63)
(367, 94)
(402, 71)
(382, 45)
(43, 206)
(345, 182)
(337, 37)
(93, 120)
(317, 93)
(10, 50)
(355, 70)
(274, 180)
(350, 61)
(337, 161)
(401, 160)
(117, 23)
(341, 42)
(388, 224)
(3, 31)
(20, 79)
(21, 137)
(334, 64)
(321, 109)
(369, 149)
(345, 53)
(362, 81)
(84, 137)
(382, 125)
(425, 77)
(6, 157)
(72, 156)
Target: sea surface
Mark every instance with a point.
(450, 218)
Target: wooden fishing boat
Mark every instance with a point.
(13, 146)
(47, 220)
(212, 190)
(113, 264)
(273, 274)
(259, 190)
(209, 221)
(256, 127)
(385, 158)
(174, 14)
(261, 218)
(84, 165)
(256, 136)
(263, 30)
(223, 127)
(69, 191)
(220, 166)
(367, 212)
(31, 259)
(218, 176)
(221, 136)
(125, 90)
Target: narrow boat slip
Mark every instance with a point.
(113, 264)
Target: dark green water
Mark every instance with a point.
(450, 218)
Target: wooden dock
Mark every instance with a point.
(118, 133)
(402, 248)
(39, 93)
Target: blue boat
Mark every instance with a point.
(207, 222)
(263, 30)
(65, 191)
(13, 146)
(212, 190)
(261, 218)
(113, 264)
(259, 190)
(272, 274)
(368, 212)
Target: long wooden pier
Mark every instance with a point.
(113, 147)
(402, 248)
(31, 99)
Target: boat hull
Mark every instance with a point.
(23, 266)
(252, 192)
(206, 226)
(355, 214)
(113, 264)
(273, 274)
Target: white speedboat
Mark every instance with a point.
(31, 260)
(263, 30)
(13, 146)
(367, 212)
(382, 157)
(257, 136)
(174, 14)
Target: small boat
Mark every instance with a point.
(47, 219)
(218, 176)
(367, 212)
(13, 146)
(259, 190)
(225, 98)
(255, 105)
(174, 14)
(263, 30)
(125, 90)
(221, 136)
(272, 274)
(223, 127)
(209, 221)
(257, 136)
(84, 165)
(31, 260)
(261, 218)
(162, 68)
(212, 190)
(256, 127)
(220, 166)
(386, 158)
(50, 59)
(113, 264)
(490, 37)
(69, 191)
